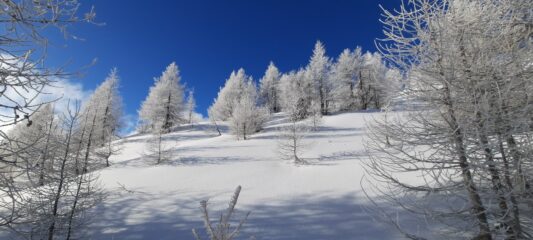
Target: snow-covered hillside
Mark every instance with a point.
(322, 200)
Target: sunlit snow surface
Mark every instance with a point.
(322, 200)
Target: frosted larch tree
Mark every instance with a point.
(268, 89)
(294, 99)
(190, 107)
(317, 73)
(456, 139)
(247, 118)
(229, 95)
(25, 79)
(101, 117)
(163, 107)
(345, 77)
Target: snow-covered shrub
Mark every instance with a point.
(222, 230)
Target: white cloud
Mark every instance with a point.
(17, 91)
(129, 125)
(59, 92)
(62, 91)
(198, 117)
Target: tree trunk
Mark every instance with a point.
(104, 124)
(89, 143)
(45, 152)
(167, 124)
(244, 131)
(57, 196)
(475, 199)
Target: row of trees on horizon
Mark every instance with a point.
(354, 81)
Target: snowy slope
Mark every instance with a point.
(322, 200)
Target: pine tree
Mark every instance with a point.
(163, 106)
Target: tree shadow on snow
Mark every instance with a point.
(196, 161)
(343, 155)
(306, 217)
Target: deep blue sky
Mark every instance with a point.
(209, 39)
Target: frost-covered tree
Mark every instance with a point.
(163, 107)
(58, 208)
(230, 95)
(237, 102)
(100, 118)
(190, 106)
(106, 102)
(213, 120)
(315, 115)
(290, 143)
(469, 81)
(158, 150)
(247, 118)
(345, 79)
(391, 87)
(268, 89)
(23, 47)
(371, 75)
(46, 124)
(362, 81)
(24, 82)
(294, 98)
(32, 145)
(317, 73)
(376, 83)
